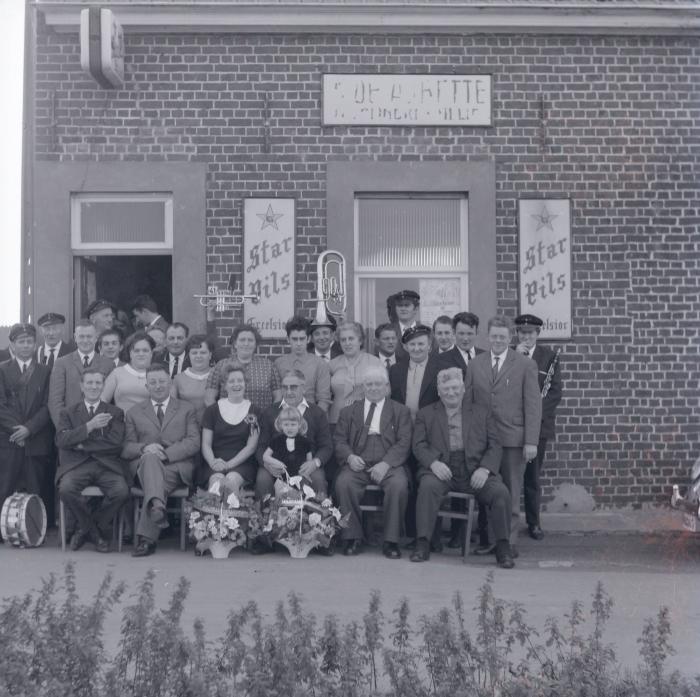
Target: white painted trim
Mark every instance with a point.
(637, 18)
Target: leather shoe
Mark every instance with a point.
(80, 537)
(535, 532)
(352, 548)
(102, 545)
(391, 550)
(504, 555)
(144, 548)
(422, 550)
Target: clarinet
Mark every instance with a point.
(550, 373)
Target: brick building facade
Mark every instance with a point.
(605, 114)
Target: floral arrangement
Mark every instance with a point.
(296, 520)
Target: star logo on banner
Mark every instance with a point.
(544, 218)
(269, 218)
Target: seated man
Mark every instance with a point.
(162, 437)
(457, 450)
(372, 443)
(89, 436)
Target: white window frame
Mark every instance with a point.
(85, 248)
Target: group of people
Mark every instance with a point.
(424, 413)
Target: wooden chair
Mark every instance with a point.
(91, 491)
(179, 495)
(370, 504)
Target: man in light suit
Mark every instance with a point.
(64, 388)
(372, 442)
(90, 434)
(457, 450)
(503, 383)
(53, 347)
(162, 437)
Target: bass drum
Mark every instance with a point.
(23, 520)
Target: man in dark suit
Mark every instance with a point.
(52, 325)
(443, 335)
(110, 344)
(145, 314)
(64, 388)
(321, 339)
(466, 327)
(528, 328)
(503, 383)
(386, 343)
(174, 354)
(457, 450)
(402, 309)
(162, 438)
(89, 435)
(318, 433)
(26, 435)
(372, 442)
(6, 354)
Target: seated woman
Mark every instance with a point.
(191, 383)
(125, 386)
(230, 435)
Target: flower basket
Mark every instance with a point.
(298, 548)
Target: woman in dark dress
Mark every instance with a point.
(230, 435)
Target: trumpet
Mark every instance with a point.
(331, 292)
(221, 300)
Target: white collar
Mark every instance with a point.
(379, 404)
(302, 406)
(94, 406)
(48, 349)
(322, 355)
(196, 376)
(152, 322)
(501, 357)
(21, 364)
(82, 355)
(164, 403)
(471, 353)
(133, 371)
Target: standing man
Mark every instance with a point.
(110, 344)
(64, 389)
(90, 434)
(444, 334)
(457, 450)
(26, 435)
(315, 370)
(528, 328)
(466, 327)
(162, 438)
(372, 442)
(322, 342)
(387, 342)
(101, 314)
(52, 325)
(502, 383)
(145, 313)
(173, 355)
(402, 308)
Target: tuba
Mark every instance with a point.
(331, 292)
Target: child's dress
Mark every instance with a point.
(293, 459)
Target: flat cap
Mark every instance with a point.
(409, 295)
(528, 322)
(51, 318)
(22, 329)
(414, 332)
(98, 305)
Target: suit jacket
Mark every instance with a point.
(76, 445)
(513, 399)
(66, 348)
(179, 434)
(64, 389)
(453, 359)
(160, 323)
(5, 355)
(335, 349)
(23, 402)
(319, 432)
(431, 438)
(544, 356)
(398, 379)
(162, 357)
(395, 427)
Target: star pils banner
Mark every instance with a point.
(268, 263)
(545, 264)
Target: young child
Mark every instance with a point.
(289, 445)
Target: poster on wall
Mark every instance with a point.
(268, 263)
(544, 227)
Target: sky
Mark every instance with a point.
(11, 58)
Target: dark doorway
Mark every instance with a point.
(120, 279)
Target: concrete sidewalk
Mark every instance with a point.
(612, 521)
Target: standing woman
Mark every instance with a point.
(191, 383)
(230, 434)
(348, 369)
(262, 380)
(125, 386)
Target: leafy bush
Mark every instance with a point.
(51, 645)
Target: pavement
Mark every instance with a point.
(643, 558)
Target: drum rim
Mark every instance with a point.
(21, 500)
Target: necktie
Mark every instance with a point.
(364, 434)
(86, 361)
(469, 356)
(494, 368)
(24, 368)
(175, 366)
(160, 413)
(527, 353)
(51, 357)
(388, 363)
(92, 411)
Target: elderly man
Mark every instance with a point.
(162, 438)
(90, 435)
(52, 325)
(503, 383)
(372, 442)
(457, 450)
(101, 314)
(317, 373)
(322, 339)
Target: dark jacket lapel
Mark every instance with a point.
(507, 364)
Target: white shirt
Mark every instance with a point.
(82, 355)
(501, 357)
(391, 359)
(171, 362)
(468, 355)
(21, 364)
(94, 406)
(164, 404)
(374, 427)
(302, 406)
(404, 327)
(446, 350)
(45, 351)
(324, 356)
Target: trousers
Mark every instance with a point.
(532, 492)
(512, 472)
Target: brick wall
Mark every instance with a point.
(612, 122)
